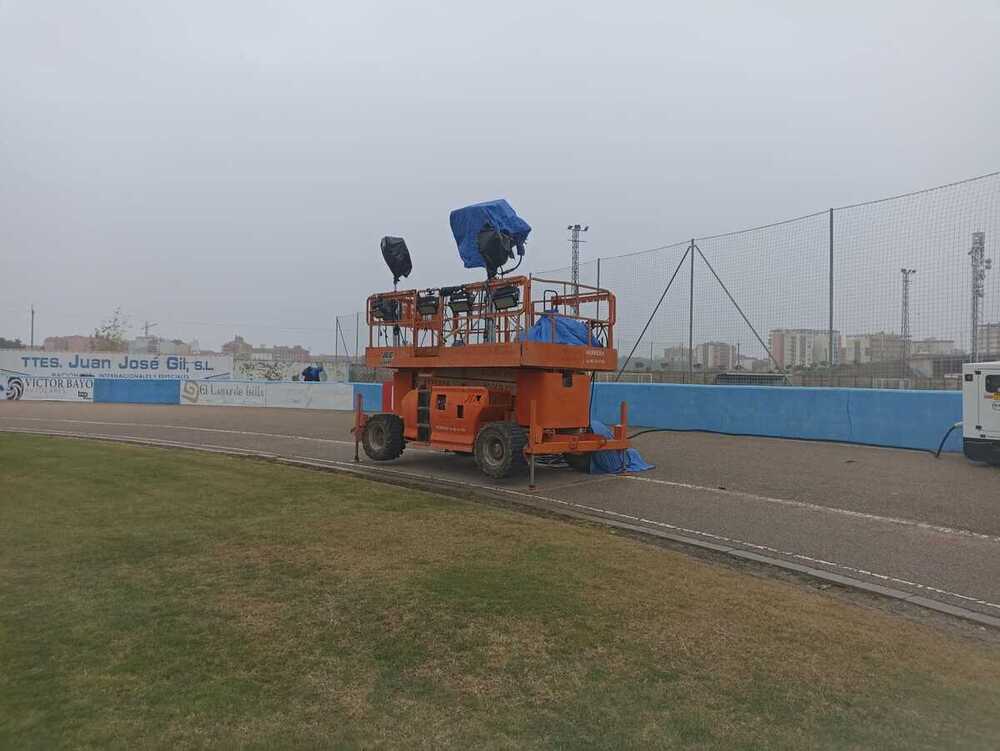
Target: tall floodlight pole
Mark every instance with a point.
(574, 241)
(980, 265)
(905, 326)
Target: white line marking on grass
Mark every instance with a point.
(818, 507)
(356, 469)
(732, 541)
(182, 427)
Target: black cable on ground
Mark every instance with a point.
(937, 454)
(934, 453)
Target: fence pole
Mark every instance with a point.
(830, 341)
(598, 285)
(691, 317)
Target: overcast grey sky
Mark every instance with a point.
(222, 166)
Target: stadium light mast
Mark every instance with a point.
(980, 265)
(574, 241)
(905, 326)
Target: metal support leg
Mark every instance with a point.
(358, 402)
(532, 413)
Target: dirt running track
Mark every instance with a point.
(929, 530)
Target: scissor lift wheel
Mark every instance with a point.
(499, 449)
(383, 437)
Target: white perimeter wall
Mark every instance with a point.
(322, 395)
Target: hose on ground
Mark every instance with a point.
(937, 454)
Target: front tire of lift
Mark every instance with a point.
(499, 449)
(383, 437)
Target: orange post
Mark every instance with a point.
(533, 412)
(359, 424)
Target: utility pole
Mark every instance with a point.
(980, 265)
(574, 241)
(905, 326)
(32, 338)
(147, 326)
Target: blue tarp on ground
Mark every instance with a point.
(614, 462)
(565, 331)
(468, 221)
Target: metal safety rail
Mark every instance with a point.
(496, 312)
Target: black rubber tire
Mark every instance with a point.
(383, 437)
(499, 449)
(578, 462)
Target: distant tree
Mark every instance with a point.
(11, 343)
(112, 334)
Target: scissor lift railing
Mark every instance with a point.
(421, 323)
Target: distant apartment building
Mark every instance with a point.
(988, 340)
(755, 364)
(715, 355)
(75, 343)
(155, 345)
(932, 346)
(144, 345)
(676, 358)
(802, 348)
(277, 353)
(238, 346)
(882, 346)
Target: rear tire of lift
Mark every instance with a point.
(383, 437)
(499, 449)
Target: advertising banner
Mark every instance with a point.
(53, 388)
(247, 369)
(264, 394)
(22, 362)
(309, 395)
(223, 393)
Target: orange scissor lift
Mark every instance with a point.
(466, 379)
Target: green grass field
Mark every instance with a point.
(152, 598)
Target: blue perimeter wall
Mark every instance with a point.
(879, 417)
(371, 394)
(137, 390)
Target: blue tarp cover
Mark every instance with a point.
(467, 222)
(614, 462)
(566, 331)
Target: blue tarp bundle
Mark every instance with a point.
(467, 222)
(614, 462)
(565, 331)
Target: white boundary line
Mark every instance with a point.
(732, 541)
(804, 505)
(351, 467)
(817, 507)
(181, 427)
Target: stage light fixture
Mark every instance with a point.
(386, 310)
(460, 302)
(427, 304)
(506, 297)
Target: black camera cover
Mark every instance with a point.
(397, 257)
(494, 247)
